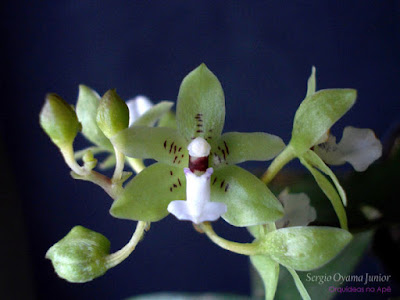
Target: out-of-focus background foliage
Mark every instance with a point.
(262, 52)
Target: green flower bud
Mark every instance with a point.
(58, 119)
(112, 114)
(80, 256)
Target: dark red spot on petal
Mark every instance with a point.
(222, 183)
(226, 187)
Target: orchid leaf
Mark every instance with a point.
(299, 284)
(160, 143)
(330, 192)
(86, 110)
(317, 162)
(269, 272)
(150, 117)
(147, 195)
(248, 200)
(201, 106)
(317, 113)
(305, 248)
(237, 147)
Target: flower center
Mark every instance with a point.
(199, 150)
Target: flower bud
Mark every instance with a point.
(112, 114)
(80, 256)
(58, 119)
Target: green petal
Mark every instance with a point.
(330, 192)
(201, 105)
(305, 248)
(150, 117)
(317, 162)
(269, 272)
(168, 120)
(147, 195)
(160, 143)
(86, 109)
(299, 284)
(317, 113)
(311, 83)
(248, 200)
(237, 147)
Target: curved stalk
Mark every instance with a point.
(240, 248)
(117, 257)
(278, 163)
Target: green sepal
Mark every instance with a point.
(269, 273)
(86, 110)
(58, 119)
(305, 248)
(150, 117)
(201, 106)
(237, 147)
(311, 83)
(112, 114)
(313, 159)
(249, 201)
(168, 120)
(147, 195)
(330, 192)
(80, 256)
(316, 115)
(299, 284)
(160, 143)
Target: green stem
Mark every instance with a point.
(278, 163)
(240, 248)
(117, 257)
(113, 190)
(68, 153)
(119, 165)
(136, 164)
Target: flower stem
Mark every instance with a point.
(119, 165)
(240, 248)
(117, 257)
(113, 190)
(67, 152)
(136, 164)
(278, 163)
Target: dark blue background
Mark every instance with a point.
(262, 52)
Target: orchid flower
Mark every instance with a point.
(359, 147)
(313, 120)
(196, 164)
(142, 112)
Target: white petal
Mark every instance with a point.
(359, 147)
(197, 207)
(297, 210)
(137, 107)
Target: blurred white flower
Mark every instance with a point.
(297, 210)
(137, 107)
(359, 147)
